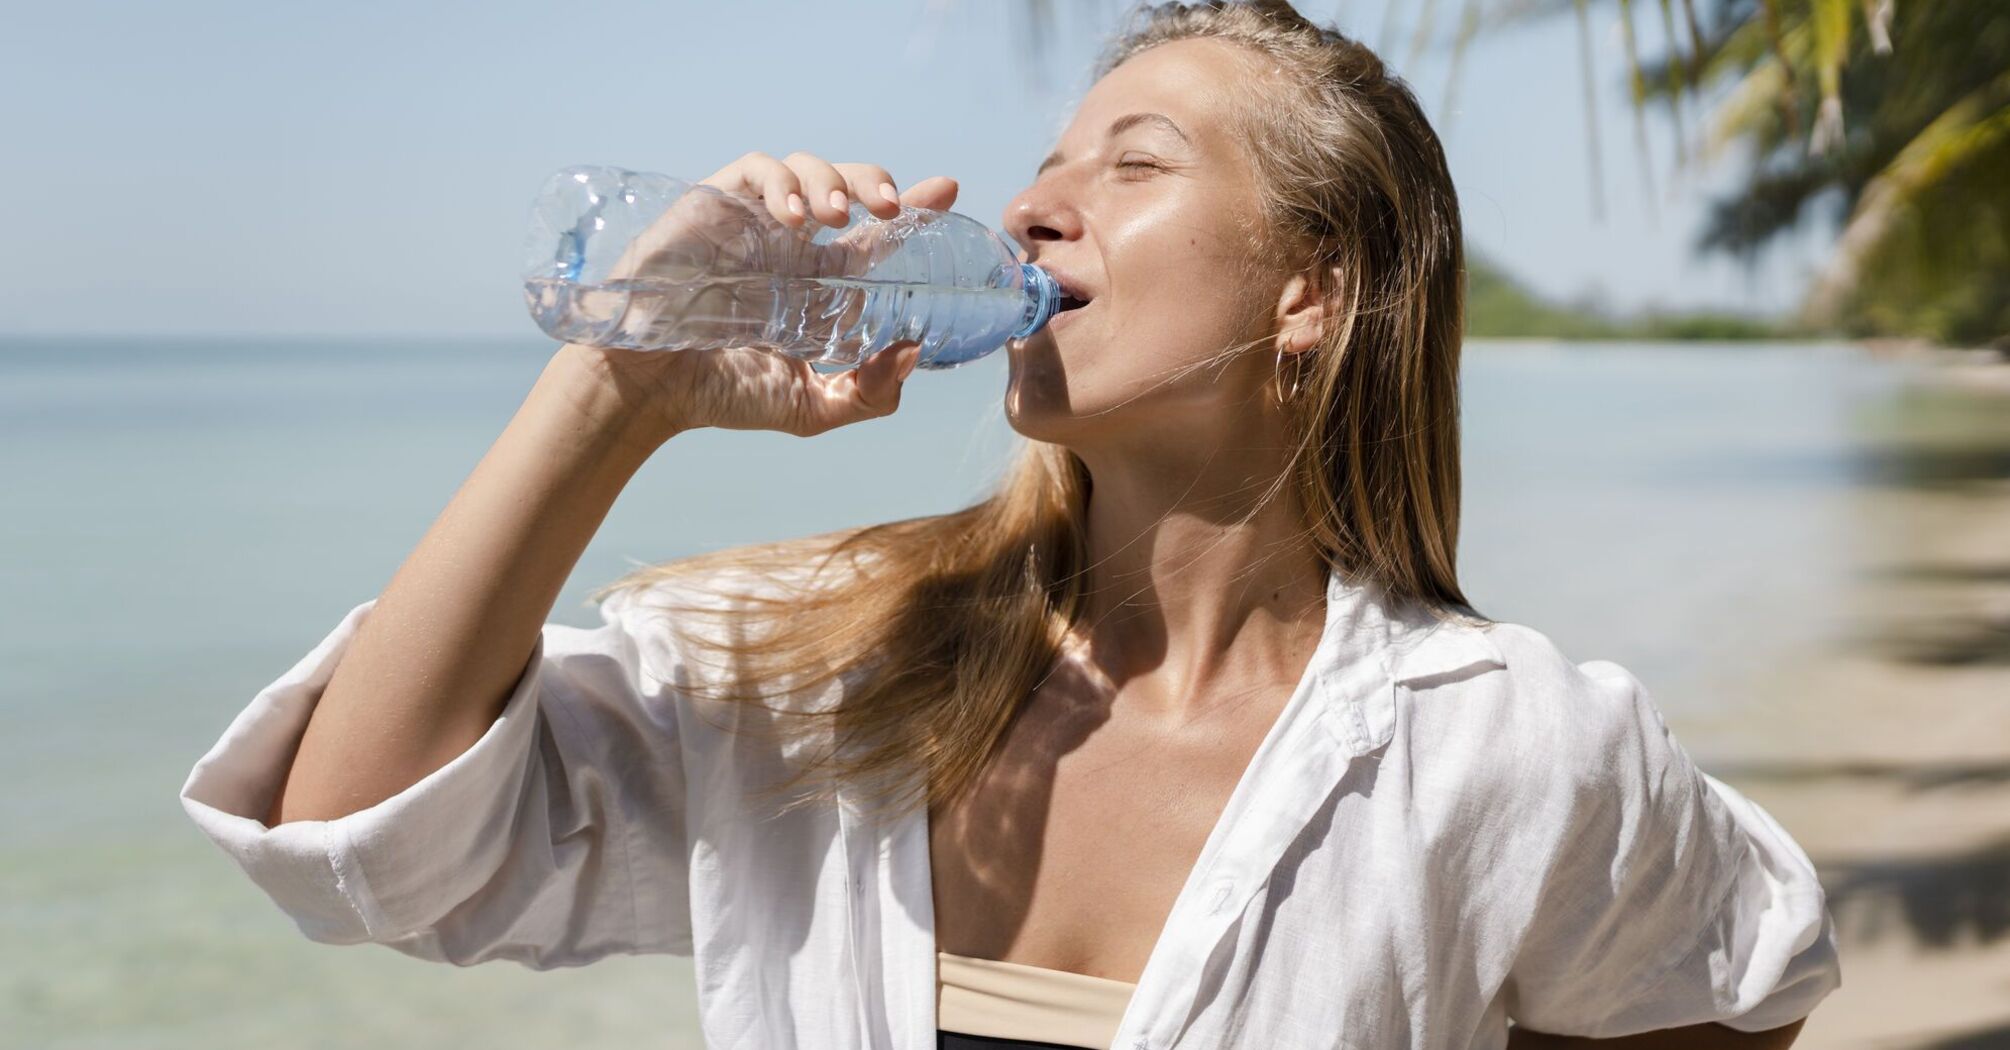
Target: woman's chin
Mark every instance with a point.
(1039, 401)
(1039, 409)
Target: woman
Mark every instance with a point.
(1185, 737)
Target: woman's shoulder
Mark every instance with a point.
(1537, 709)
(1599, 697)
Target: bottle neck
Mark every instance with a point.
(1043, 298)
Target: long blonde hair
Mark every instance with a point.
(940, 627)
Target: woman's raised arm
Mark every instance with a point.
(430, 668)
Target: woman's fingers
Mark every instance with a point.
(937, 193)
(756, 174)
(804, 187)
(781, 189)
(873, 187)
(825, 191)
(867, 392)
(874, 389)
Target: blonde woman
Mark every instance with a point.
(1185, 737)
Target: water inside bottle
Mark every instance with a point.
(827, 320)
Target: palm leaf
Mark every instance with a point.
(1976, 126)
(1750, 104)
(1469, 23)
(1639, 94)
(1789, 110)
(1590, 111)
(1696, 46)
(1831, 22)
(1676, 77)
(1877, 16)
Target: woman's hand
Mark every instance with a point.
(748, 388)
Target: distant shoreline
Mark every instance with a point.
(1985, 367)
(1882, 347)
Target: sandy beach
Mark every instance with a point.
(1887, 751)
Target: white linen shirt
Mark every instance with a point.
(1445, 828)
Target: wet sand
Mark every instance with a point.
(1886, 751)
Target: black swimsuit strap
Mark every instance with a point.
(961, 1041)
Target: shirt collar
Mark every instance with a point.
(1371, 645)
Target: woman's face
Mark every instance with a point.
(1145, 208)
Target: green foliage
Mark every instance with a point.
(1498, 306)
(1888, 120)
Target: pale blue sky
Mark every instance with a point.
(366, 167)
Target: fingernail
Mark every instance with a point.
(886, 190)
(796, 203)
(839, 200)
(913, 358)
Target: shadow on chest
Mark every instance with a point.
(1072, 847)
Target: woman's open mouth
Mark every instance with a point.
(1073, 297)
(1068, 308)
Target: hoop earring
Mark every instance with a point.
(1275, 374)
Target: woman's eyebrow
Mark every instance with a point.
(1121, 125)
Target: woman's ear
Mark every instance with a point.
(1301, 314)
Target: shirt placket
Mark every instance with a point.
(1288, 786)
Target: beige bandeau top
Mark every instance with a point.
(1010, 1000)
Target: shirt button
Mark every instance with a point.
(1222, 890)
(1141, 1043)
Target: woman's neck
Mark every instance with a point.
(1184, 596)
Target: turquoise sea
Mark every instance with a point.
(184, 518)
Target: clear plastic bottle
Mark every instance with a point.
(618, 258)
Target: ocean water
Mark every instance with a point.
(183, 519)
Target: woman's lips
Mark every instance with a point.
(1068, 315)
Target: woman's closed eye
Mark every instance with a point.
(1140, 164)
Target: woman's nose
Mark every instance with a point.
(1036, 214)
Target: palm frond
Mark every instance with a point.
(1976, 126)
(1639, 96)
(1752, 103)
(1696, 46)
(1774, 33)
(1877, 16)
(1676, 78)
(1591, 137)
(1469, 23)
(1831, 21)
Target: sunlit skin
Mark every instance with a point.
(1153, 220)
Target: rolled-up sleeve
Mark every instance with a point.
(1674, 899)
(557, 838)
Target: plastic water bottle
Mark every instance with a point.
(637, 260)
